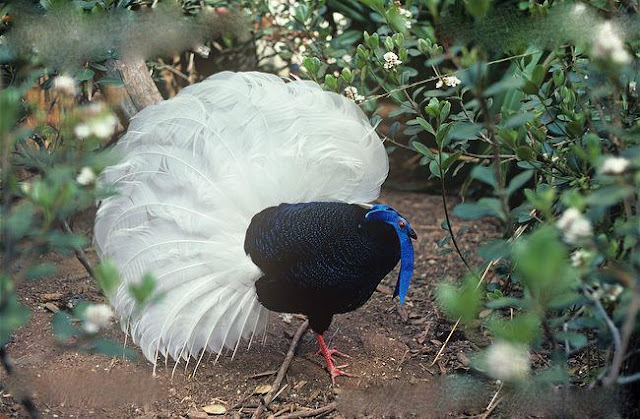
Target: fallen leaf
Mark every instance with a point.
(215, 409)
(262, 389)
(52, 307)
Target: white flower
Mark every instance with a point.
(352, 93)
(449, 81)
(331, 60)
(391, 60)
(407, 16)
(579, 258)
(633, 86)
(575, 226)
(507, 361)
(404, 12)
(82, 131)
(579, 8)
(608, 45)
(104, 127)
(347, 58)
(25, 187)
(614, 166)
(340, 20)
(96, 317)
(65, 85)
(86, 176)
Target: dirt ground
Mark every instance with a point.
(391, 351)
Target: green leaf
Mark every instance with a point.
(40, 270)
(450, 160)
(466, 130)
(519, 181)
(485, 174)
(426, 125)
(524, 328)
(576, 340)
(463, 301)
(107, 276)
(542, 262)
(493, 250)
(477, 8)
(62, 326)
(609, 195)
(508, 83)
(111, 81)
(142, 291)
(422, 149)
(85, 74)
(485, 207)
(537, 76)
(397, 22)
(445, 108)
(113, 349)
(13, 316)
(525, 153)
(519, 120)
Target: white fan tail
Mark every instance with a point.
(194, 170)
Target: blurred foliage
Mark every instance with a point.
(532, 105)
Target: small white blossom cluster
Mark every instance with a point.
(96, 317)
(575, 226)
(86, 176)
(633, 86)
(279, 9)
(449, 81)
(579, 8)
(391, 60)
(608, 45)
(608, 293)
(102, 125)
(352, 93)
(507, 361)
(65, 84)
(614, 166)
(580, 257)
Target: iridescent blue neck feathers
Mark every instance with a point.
(405, 234)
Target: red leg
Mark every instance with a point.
(328, 357)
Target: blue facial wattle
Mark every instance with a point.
(405, 234)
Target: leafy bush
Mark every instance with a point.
(534, 108)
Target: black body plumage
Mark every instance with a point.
(319, 258)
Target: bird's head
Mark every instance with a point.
(405, 233)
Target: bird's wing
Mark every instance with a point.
(194, 170)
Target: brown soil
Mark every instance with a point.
(391, 350)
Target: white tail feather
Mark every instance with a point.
(194, 171)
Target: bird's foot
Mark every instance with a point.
(328, 354)
(332, 352)
(336, 371)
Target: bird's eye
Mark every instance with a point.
(401, 224)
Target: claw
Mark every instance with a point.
(328, 354)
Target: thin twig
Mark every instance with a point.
(612, 327)
(80, 254)
(628, 379)
(282, 371)
(627, 330)
(490, 411)
(312, 412)
(26, 400)
(430, 79)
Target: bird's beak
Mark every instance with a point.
(413, 235)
